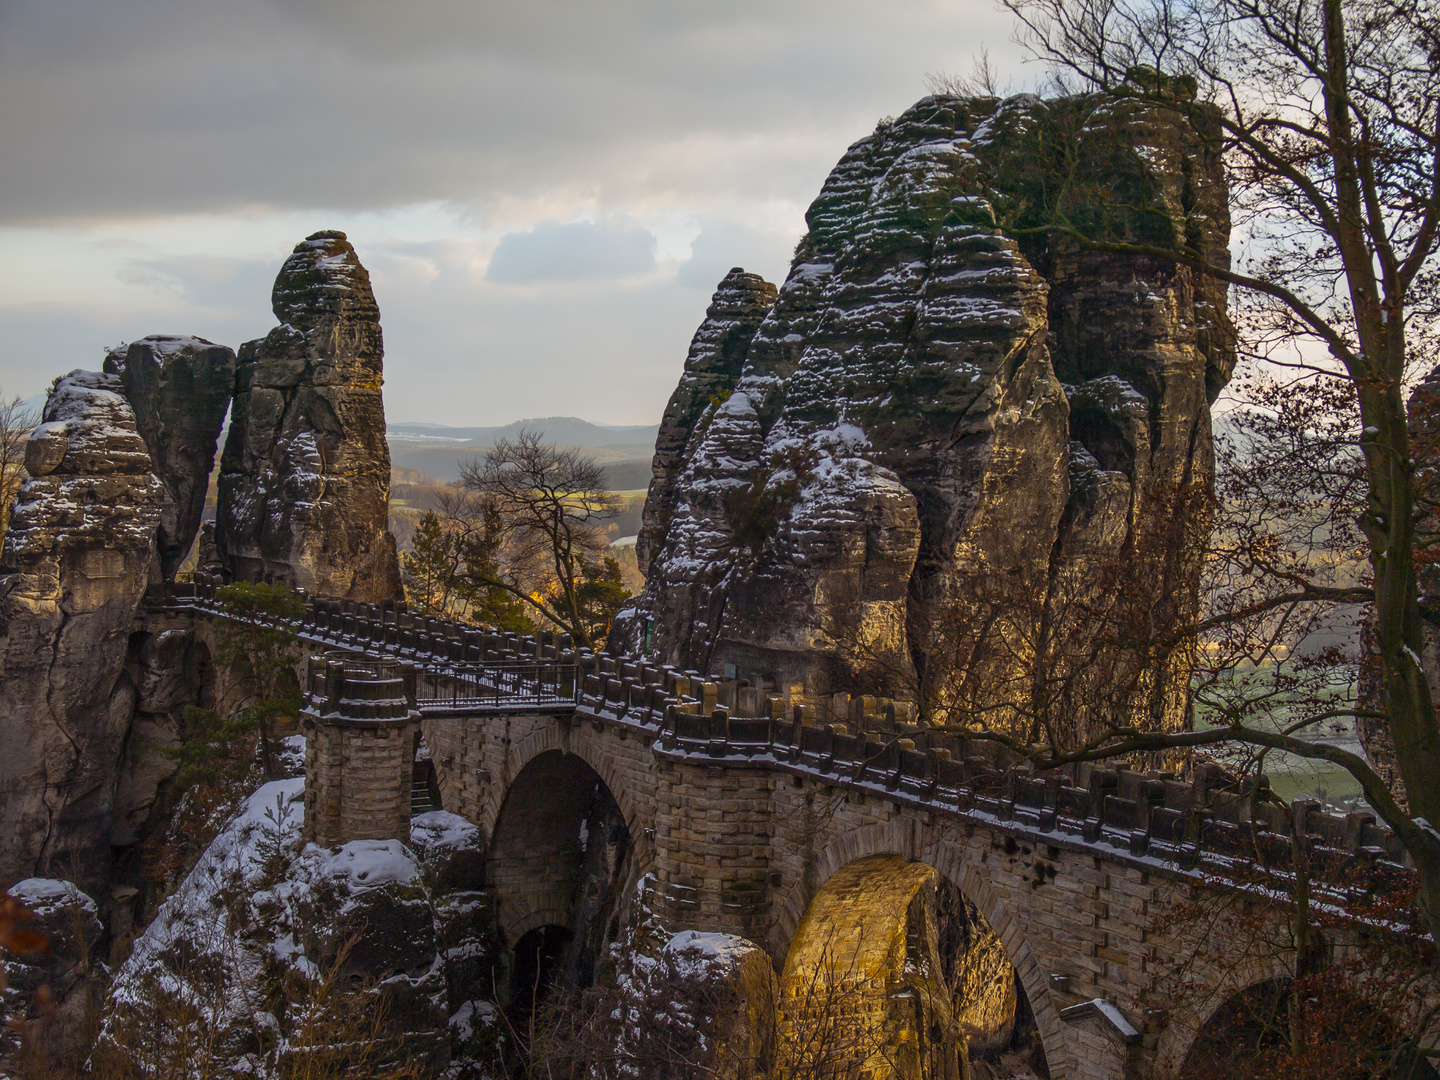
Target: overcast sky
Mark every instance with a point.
(545, 191)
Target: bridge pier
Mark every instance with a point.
(360, 723)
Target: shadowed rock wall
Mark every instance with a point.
(305, 476)
(945, 442)
(180, 389)
(77, 559)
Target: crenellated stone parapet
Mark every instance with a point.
(732, 804)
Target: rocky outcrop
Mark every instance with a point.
(945, 441)
(292, 941)
(51, 994)
(717, 354)
(78, 556)
(305, 475)
(180, 390)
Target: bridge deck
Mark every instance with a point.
(1203, 824)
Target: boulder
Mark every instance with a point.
(77, 560)
(305, 474)
(298, 941)
(180, 390)
(53, 993)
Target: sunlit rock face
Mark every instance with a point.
(943, 432)
(77, 559)
(180, 390)
(305, 475)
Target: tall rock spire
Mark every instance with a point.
(180, 388)
(305, 476)
(717, 354)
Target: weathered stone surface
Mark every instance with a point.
(717, 354)
(258, 902)
(305, 475)
(77, 559)
(180, 389)
(933, 414)
(169, 669)
(53, 993)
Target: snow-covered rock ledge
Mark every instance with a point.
(271, 949)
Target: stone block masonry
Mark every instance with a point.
(360, 725)
(740, 821)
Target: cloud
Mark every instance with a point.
(724, 244)
(206, 281)
(579, 251)
(127, 107)
(161, 158)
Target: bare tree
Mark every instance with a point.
(983, 80)
(550, 502)
(1328, 116)
(16, 423)
(454, 552)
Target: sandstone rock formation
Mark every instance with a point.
(55, 1020)
(944, 441)
(77, 559)
(305, 475)
(180, 389)
(717, 354)
(361, 910)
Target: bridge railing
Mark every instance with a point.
(1210, 819)
(499, 686)
(469, 669)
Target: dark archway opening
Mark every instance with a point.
(424, 781)
(561, 864)
(1268, 1030)
(539, 965)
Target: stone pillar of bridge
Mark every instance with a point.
(360, 723)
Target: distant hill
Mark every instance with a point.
(560, 430)
(437, 450)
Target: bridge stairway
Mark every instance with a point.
(424, 790)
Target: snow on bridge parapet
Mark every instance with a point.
(1212, 821)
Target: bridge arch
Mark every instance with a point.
(1247, 1015)
(597, 753)
(559, 836)
(1201, 1013)
(903, 851)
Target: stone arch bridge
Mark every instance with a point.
(827, 833)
